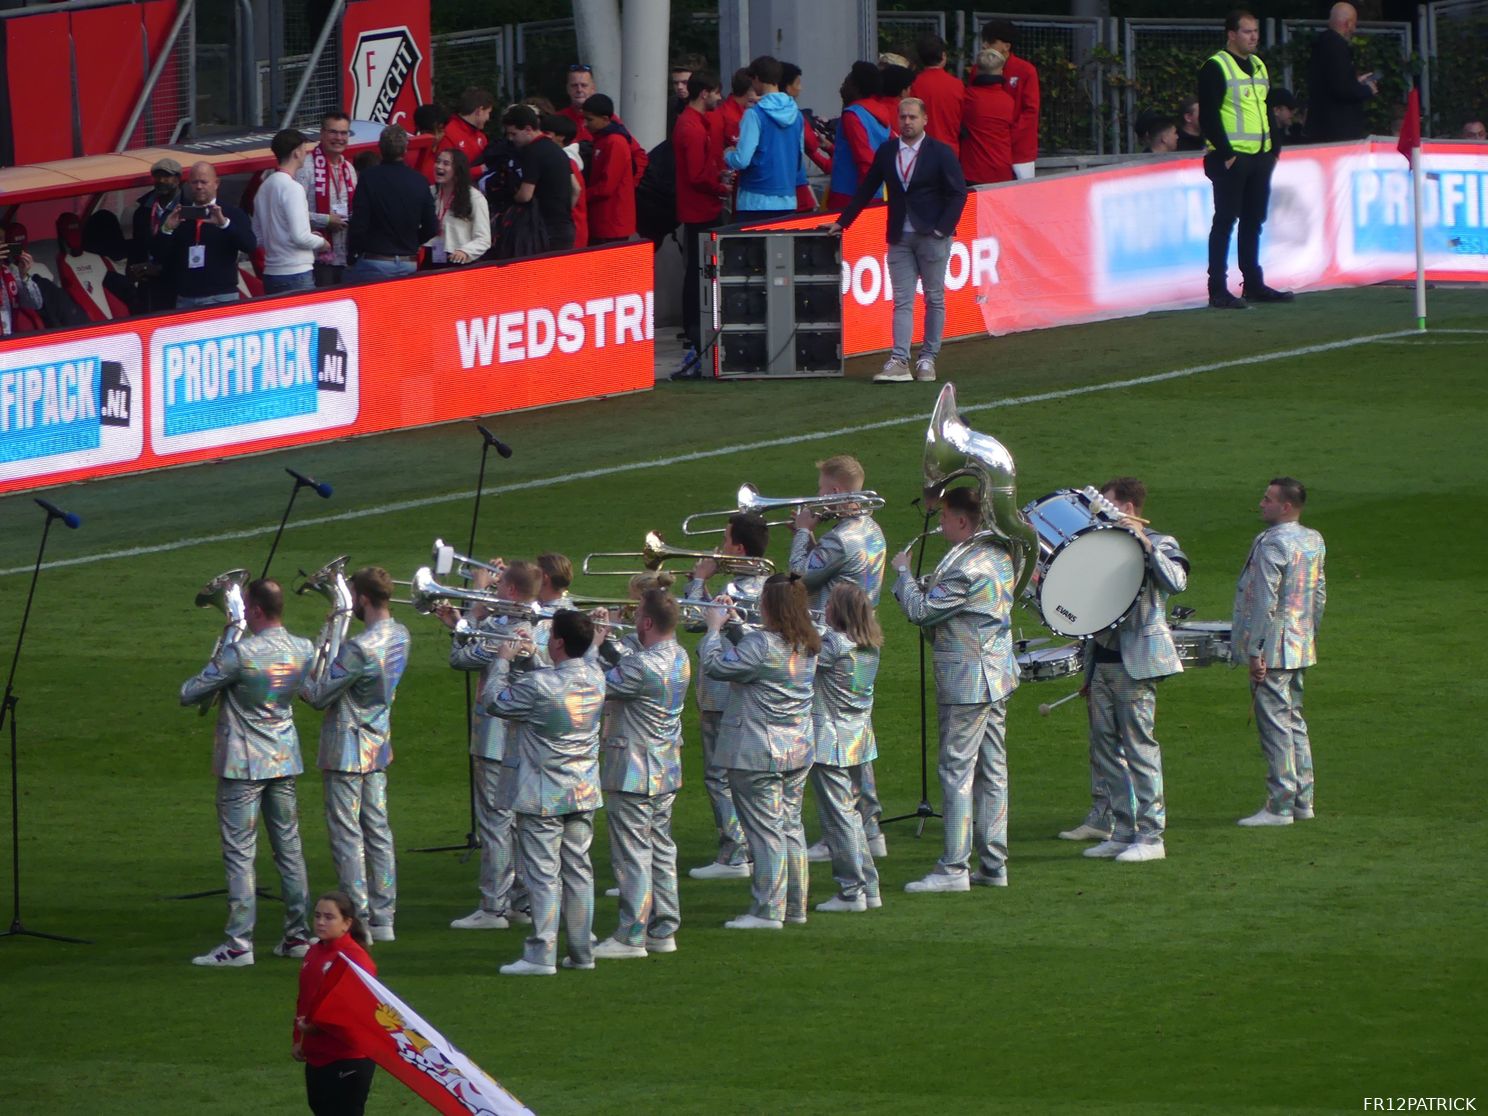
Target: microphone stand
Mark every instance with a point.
(924, 811)
(323, 490)
(18, 929)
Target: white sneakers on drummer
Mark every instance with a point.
(838, 903)
(524, 967)
(754, 922)
(720, 871)
(1139, 851)
(940, 881)
(612, 950)
(1264, 816)
(895, 371)
(1107, 850)
(481, 920)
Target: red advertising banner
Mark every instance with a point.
(386, 59)
(262, 375)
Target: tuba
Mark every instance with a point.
(954, 450)
(225, 593)
(330, 582)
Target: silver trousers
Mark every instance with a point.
(238, 804)
(500, 880)
(974, 786)
(1284, 741)
(732, 848)
(555, 854)
(844, 830)
(644, 858)
(362, 842)
(769, 805)
(918, 257)
(1124, 753)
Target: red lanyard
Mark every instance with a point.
(906, 171)
(444, 207)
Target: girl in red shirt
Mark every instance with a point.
(337, 1075)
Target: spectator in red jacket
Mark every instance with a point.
(466, 129)
(565, 134)
(941, 91)
(860, 129)
(618, 165)
(893, 86)
(740, 100)
(580, 88)
(700, 194)
(987, 123)
(428, 120)
(1021, 77)
(338, 1072)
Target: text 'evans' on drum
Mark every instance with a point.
(1090, 564)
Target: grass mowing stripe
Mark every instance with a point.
(724, 451)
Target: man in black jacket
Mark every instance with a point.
(1336, 92)
(150, 213)
(198, 243)
(391, 214)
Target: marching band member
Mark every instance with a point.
(499, 882)
(552, 785)
(640, 769)
(854, 551)
(1122, 669)
(256, 757)
(842, 709)
(356, 746)
(765, 740)
(557, 575)
(745, 535)
(1278, 606)
(967, 614)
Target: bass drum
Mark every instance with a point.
(1090, 564)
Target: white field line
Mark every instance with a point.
(724, 451)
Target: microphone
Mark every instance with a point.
(491, 440)
(54, 512)
(322, 489)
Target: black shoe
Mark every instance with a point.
(1267, 294)
(1227, 301)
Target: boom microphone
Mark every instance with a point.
(54, 512)
(322, 489)
(491, 440)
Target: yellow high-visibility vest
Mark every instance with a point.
(1243, 110)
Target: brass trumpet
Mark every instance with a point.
(655, 553)
(842, 505)
(465, 633)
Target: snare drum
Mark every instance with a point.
(1202, 643)
(1049, 662)
(1090, 565)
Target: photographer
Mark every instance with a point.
(199, 242)
(20, 298)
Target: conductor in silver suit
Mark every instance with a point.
(551, 783)
(1122, 668)
(966, 615)
(255, 758)
(356, 747)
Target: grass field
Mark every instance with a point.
(1285, 971)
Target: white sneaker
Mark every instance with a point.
(878, 847)
(612, 950)
(1107, 850)
(894, 372)
(382, 934)
(1303, 813)
(717, 871)
(873, 901)
(570, 963)
(1084, 832)
(1136, 852)
(818, 852)
(661, 945)
(1264, 816)
(751, 922)
(925, 370)
(225, 957)
(982, 879)
(612, 893)
(292, 947)
(524, 967)
(940, 881)
(481, 920)
(838, 903)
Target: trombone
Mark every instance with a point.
(445, 559)
(655, 553)
(841, 505)
(426, 594)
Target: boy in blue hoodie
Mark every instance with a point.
(769, 153)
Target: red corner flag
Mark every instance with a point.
(1410, 127)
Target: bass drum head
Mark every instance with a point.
(1092, 581)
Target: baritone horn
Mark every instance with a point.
(655, 553)
(840, 505)
(225, 593)
(330, 582)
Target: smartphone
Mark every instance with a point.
(195, 212)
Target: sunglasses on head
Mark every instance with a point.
(580, 68)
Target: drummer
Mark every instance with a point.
(1122, 668)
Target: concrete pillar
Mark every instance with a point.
(597, 25)
(823, 37)
(644, 86)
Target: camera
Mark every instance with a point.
(195, 212)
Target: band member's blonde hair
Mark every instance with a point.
(843, 468)
(989, 61)
(558, 568)
(784, 612)
(662, 608)
(524, 578)
(641, 583)
(851, 612)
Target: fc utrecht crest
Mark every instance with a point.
(383, 63)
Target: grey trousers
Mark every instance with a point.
(644, 857)
(922, 257)
(238, 805)
(732, 848)
(769, 805)
(1284, 741)
(865, 783)
(1125, 754)
(555, 854)
(362, 842)
(500, 880)
(843, 829)
(974, 786)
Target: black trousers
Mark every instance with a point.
(692, 234)
(1242, 192)
(340, 1088)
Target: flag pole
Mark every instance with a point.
(1418, 184)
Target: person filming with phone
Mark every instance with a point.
(198, 243)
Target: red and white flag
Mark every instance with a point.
(355, 1004)
(1410, 126)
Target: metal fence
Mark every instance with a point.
(545, 50)
(897, 31)
(166, 111)
(1455, 42)
(1072, 56)
(484, 58)
(323, 91)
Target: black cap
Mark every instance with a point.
(1279, 97)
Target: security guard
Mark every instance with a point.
(1239, 160)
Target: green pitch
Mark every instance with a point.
(1289, 970)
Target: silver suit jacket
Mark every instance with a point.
(853, 550)
(842, 702)
(358, 688)
(552, 760)
(967, 613)
(1143, 637)
(1280, 598)
(488, 734)
(712, 693)
(640, 745)
(766, 725)
(258, 677)
(544, 629)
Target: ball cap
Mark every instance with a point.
(165, 166)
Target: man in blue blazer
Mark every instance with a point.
(926, 193)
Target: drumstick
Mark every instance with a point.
(1049, 707)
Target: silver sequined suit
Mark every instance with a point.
(256, 757)
(841, 709)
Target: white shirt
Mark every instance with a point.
(281, 221)
(905, 159)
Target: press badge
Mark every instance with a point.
(196, 255)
